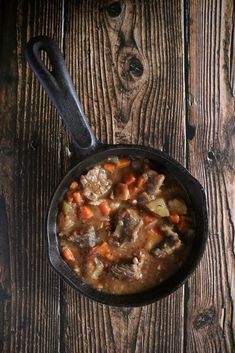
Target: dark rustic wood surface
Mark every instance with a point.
(158, 73)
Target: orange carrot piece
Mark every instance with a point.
(154, 233)
(104, 208)
(133, 191)
(69, 196)
(73, 185)
(102, 249)
(129, 178)
(174, 218)
(86, 212)
(140, 181)
(110, 167)
(123, 162)
(148, 218)
(77, 197)
(123, 191)
(67, 254)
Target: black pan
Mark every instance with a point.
(59, 87)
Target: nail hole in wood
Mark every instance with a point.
(211, 156)
(114, 9)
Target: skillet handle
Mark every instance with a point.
(59, 87)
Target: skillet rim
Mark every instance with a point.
(136, 299)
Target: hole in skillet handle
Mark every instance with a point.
(59, 87)
(196, 195)
(45, 59)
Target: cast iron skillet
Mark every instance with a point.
(59, 87)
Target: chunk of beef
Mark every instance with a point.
(85, 239)
(152, 186)
(129, 269)
(168, 246)
(122, 271)
(128, 224)
(96, 183)
(142, 198)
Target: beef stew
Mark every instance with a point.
(125, 227)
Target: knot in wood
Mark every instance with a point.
(190, 132)
(203, 319)
(135, 66)
(114, 9)
(130, 67)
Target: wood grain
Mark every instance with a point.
(30, 167)
(123, 59)
(156, 73)
(210, 310)
(8, 89)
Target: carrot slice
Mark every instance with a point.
(148, 218)
(86, 212)
(174, 218)
(154, 233)
(140, 181)
(69, 196)
(102, 249)
(123, 162)
(67, 254)
(77, 197)
(110, 167)
(129, 178)
(133, 191)
(73, 185)
(123, 191)
(104, 208)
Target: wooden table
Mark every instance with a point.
(158, 73)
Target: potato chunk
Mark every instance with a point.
(159, 207)
(177, 206)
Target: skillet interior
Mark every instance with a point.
(193, 190)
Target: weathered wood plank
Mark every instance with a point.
(210, 307)
(126, 60)
(8, 96)
(30, 156)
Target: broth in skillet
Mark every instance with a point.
(124, 227)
